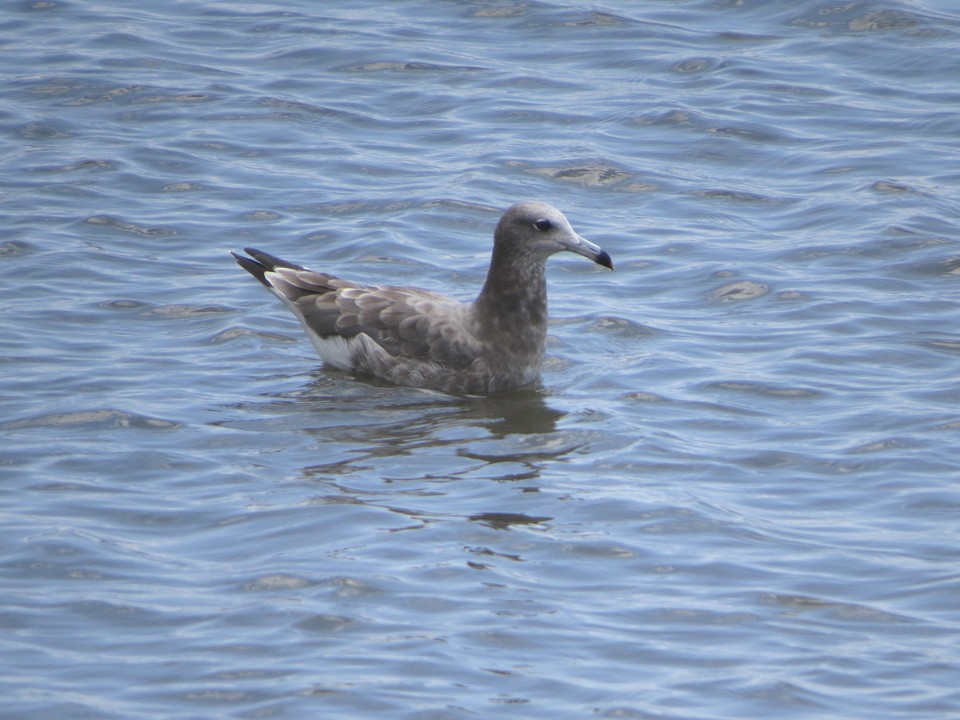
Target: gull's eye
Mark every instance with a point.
(543, 225)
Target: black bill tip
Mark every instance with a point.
(604, 259)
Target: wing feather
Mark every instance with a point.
(408, 323)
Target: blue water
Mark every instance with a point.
(735, 493)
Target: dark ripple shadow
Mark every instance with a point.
(91, 420)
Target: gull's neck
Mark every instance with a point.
(511, 309)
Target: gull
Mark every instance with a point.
(419, 338)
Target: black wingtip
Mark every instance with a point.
(604, 259)
(252, 266)
(260, 263)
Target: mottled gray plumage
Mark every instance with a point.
(419, 338)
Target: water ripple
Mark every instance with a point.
(733, 493)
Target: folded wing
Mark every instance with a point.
(408, 323)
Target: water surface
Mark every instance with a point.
(734, 493)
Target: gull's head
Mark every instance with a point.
(537, 229)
